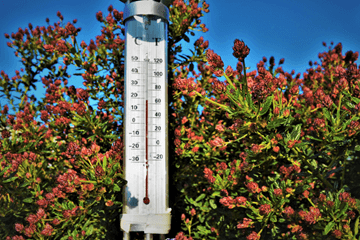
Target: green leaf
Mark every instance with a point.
(190, 200)
(116, 188)
(212, 203)
(202, 196)
(250, 102)
(25, 184)
(266, 105)
(202, 229)
(104, 163)
(295, 134)
(111, 136)
(215, 194)
(201, 218)
(273, 218)
(28, 200)
(90, 230)
(328, 227)
(328, 116)
(10, 179)
(5, 169)
(107, 181)
(276, 123)
(345, 206)
(356, 229)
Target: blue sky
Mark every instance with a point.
(288, 29)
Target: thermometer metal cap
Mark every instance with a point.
(147, 7)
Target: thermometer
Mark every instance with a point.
(146, 207)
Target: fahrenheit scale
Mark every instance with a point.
(146, 207)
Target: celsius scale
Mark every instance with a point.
(146, 196)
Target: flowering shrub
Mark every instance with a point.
(263, 160)
(253, 157)
(61, 160)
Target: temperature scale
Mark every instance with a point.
(146, 208)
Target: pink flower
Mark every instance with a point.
(278, 192)
(306, 194)
(265, 209)
(253, 236)
(195, 149)
(32, 219)
(246, 223)
(47, 231)
(220, 128)
(184, 120)
(217, 142)
(253, 187)
(288, 211)
(337, 233)
(256, 148)
(240, 200)
(19, 227)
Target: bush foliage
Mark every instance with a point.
(264, 154)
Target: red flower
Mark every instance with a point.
(82, 94)
(240, 50)
(220, 127)
(99, 16)
(59, 15)
(32, 219)
(47, 231)
(228, 202)
(278, 192)
(337, 233)
(99, 171)
(265, 209)
(193, 212)
(19, 227)
(42, 203)
(208, 174)
(49, 48)
(195, 149)
(214, 61)
(199, 41)
(288, 211)
(118, 15)
(5, 134)
(92, 47)
(5, 110)
(29, 231)
(246, 223)
(184, 120)
(277, 111)
(276, 149)
(253, 236)
(253, 187)
(306, 193)
(256, 148)
(217, 142)
(240, 200)
(344, 196)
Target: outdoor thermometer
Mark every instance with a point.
(146, 207)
